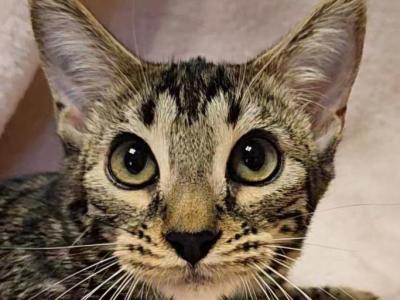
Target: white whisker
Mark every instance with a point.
(268, 287)
(244, 288)
(124, 283)
(81, 236)
(62, 247)
(281, 263)
(346, 293)
(115, 283)
(253, 292)
(290, 239)
(141, 292)
(86, 279)
(100, 285)
(133, 286)
(261, 287)
(285, 256)
(329, 294)
(284, 247)
(72, 275)
(288, 281)
(274, 281)
(343, 206)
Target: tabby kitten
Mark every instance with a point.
(187, 180)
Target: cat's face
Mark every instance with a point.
(229, 171)
(205, 175)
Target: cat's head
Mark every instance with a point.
(205, 174)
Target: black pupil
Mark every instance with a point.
(136, 158)
(253, 155)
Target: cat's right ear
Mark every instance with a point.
(83, 63)
(318, 62)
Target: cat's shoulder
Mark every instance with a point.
(25, 187)
(18, 185)
(25, 202)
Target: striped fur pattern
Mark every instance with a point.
(191, 114)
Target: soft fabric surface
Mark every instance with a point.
(18, 56)
(364, 240)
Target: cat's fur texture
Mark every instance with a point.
(190, 114)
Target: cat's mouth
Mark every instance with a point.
(200, 282)
(196, 277)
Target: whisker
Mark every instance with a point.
(285, 247)
(281, 263)
(147, 291)
(244, 288)
(86, 279)
(287, 296)
(249, 288)
(288, 267)
(288, 281)
(254, 79)
(122, 277)
(285, 256)
(110, 287)
(329, 294)
(72, 275)
(329, 247)
(261, 287)
(133, 286)
(342, 207)
(128, 278)
(81, 236)
(346, 293)
(62, 247)
(310, 244)
(136, 49)
(290, 239)
(253, 292)
(142, 290)
(268, 287)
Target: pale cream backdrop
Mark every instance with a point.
(363, 242)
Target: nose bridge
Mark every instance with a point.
(191, 208)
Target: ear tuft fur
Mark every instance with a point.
(82, 61)
(319, 61)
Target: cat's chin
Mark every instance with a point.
(198, 285)
(199, 289)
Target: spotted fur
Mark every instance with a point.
(191, 114)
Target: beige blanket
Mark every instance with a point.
(18, 57)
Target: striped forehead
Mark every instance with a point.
(192, 112)
(192, 85)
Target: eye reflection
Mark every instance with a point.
(131, 163)
(254, 159)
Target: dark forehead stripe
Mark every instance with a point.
(147, 111)
(193, 84)
(234, 111)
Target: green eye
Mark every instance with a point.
(132, 164)
(254, 160)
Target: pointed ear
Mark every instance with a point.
(82, 61)
(319, 61)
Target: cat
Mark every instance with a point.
(185, 180)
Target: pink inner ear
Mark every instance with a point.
(74, 117)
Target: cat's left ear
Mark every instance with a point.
(84, 64)
(319, 61)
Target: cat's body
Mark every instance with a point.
(186, 180)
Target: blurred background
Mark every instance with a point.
(355, 236)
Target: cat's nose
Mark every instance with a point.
(192, 247)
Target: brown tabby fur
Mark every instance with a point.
(190, 114)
